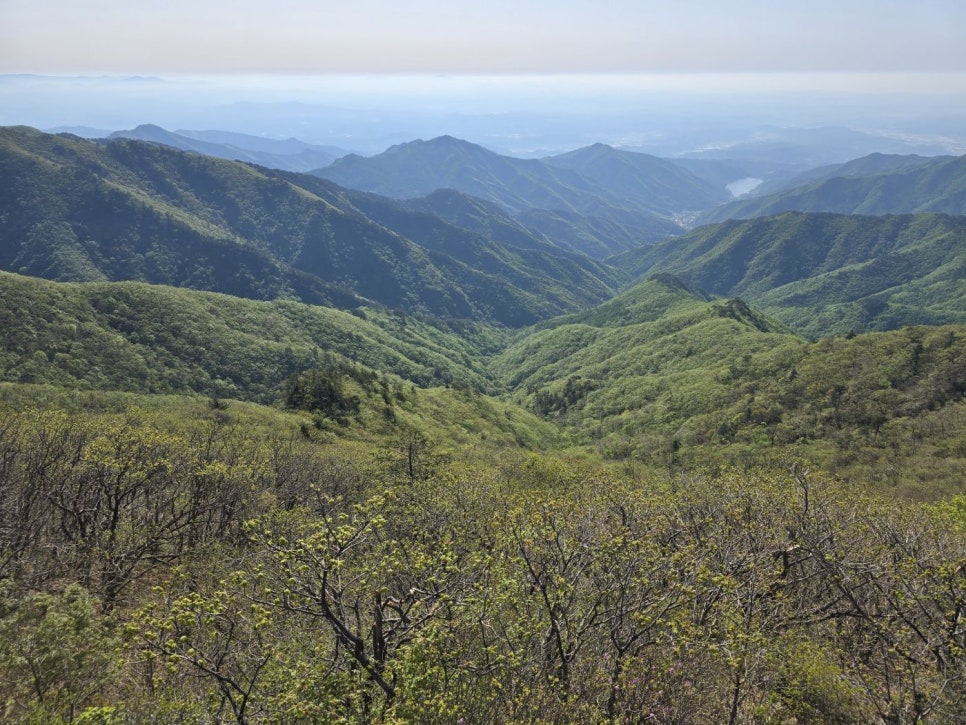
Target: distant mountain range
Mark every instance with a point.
(590, 236)
(288, 155)
(522, 186)
(129, 210)
(647, 182)
(778, 150)
(875, 184)
(118, 209)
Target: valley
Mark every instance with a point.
(441, 434)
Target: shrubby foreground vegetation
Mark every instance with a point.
(202, 563)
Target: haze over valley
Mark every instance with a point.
(528, 363)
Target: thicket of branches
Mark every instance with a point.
(163, 569)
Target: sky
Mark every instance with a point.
(525, 76)
(498, 36)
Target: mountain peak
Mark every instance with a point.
(438, 143)
(148, 132)
(447, 141)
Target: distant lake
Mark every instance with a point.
(743, 186)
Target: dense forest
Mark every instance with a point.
(277, 451)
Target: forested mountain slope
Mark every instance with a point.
(661, 374)
(536, 228)
(557, 279)
(146, 338)
(599, 367)
(78, 210)
(871, 165)
(664, 375)
(871, 185)
(419, 168)
(824, 273)
(644, 180)
(477, 215)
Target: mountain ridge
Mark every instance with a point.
(291, 155)
(825, 273)
(135, 210)
(647, 181)
(419, 168)
(873, 185)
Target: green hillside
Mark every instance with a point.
(661, 374)
(78, 210)
(419, 168)
(872, 185)
(826, 274)
(603, 371)
(143, 338)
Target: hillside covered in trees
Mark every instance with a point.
(272, 450)
(825, 274)
(873, 185)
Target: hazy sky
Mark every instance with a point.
(496, 36)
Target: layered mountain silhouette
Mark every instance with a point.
(646, 181)
(129, 210)
(516, 185)
(876, 184)
(77, 210)
(288, 155)
(703, 352)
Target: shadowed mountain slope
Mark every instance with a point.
(646, 181)
(127, 210)
(418, 168)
